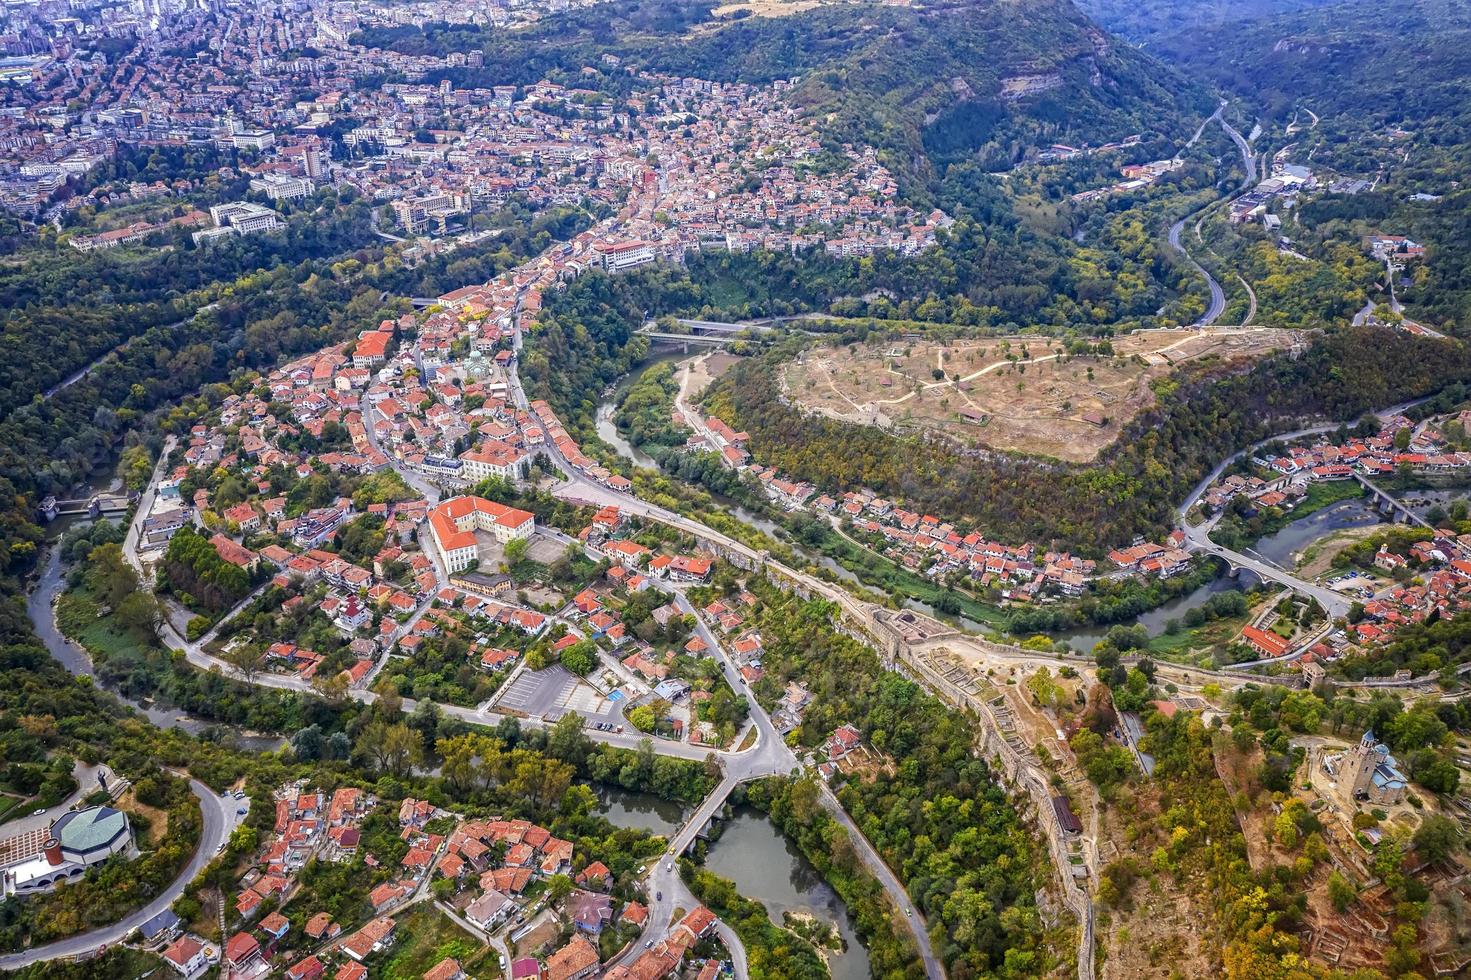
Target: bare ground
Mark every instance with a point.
(1160, 936)
(1025, 394)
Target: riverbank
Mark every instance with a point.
(1240, 534)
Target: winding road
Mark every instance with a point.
(1218, 296)
(219, 822)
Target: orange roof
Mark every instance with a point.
(1269, 643)
(444, 520)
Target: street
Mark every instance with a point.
(220, 821)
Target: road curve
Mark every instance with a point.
(1218, 296)
(218, 822)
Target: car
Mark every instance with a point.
(241, 812)
(240, 794)
(37, 813)
(909, 912)
(648, 944)
(643, 869)
(658, 896)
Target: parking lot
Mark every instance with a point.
(553, 692)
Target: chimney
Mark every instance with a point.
(52, 849)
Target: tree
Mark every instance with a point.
(1341, 891)
(308, 744)
(140, 613)
(566, 741)
(580, 657)
(247, 659)
(1436, 838)
(642, 718)
(393, 749)
(558, 887)
(516, 551)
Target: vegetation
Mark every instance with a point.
(772, 952)
(977, 876)
(1201, 415)
(794, 807)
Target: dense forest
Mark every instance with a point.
(1342, 59)
(1201, 415)
(1145, 21)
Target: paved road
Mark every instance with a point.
(1198, 538)
(416, 480)
(86, 777)
(1336, 604)
(880, 870)
(1248, 159)
(219, 823)
(145, 505)
(1218, 296)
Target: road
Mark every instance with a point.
(416, 480)
(145, 506)
(219, 822)
(886, 877)
(1248, 159)
(1336, 604)
(1198, 537)
(86, 777)
(1218, 296)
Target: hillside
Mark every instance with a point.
(1147, 20)
(1347, 59)
(954, 80)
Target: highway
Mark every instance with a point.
(219, 822)
(1218, 296)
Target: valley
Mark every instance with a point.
(608, 488)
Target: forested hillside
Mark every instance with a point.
(983, 81)
(1202, 415)
(1147, 20)
(1351, 59)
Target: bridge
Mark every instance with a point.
(703, 333)
(1387, 504)
(1335, 604)
(687, 340)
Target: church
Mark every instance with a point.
(1369, 773)
(37, 860)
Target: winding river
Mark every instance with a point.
(40, 607)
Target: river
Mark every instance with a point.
(764, 865)
(39, 606)
(607, 430)
(1281, 547)
(640, 811)
(752, 853)
(1084, 638)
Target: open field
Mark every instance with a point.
(1025, 394)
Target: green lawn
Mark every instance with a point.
(1210, 635)
(426, 936)
(8, 806)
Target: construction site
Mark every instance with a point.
(1030, 394)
